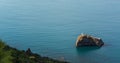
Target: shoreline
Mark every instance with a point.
(13, 55)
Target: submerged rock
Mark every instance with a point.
(87, 40)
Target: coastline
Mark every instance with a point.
(12, 55)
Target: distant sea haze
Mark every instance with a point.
(51, 27)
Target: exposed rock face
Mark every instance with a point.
(87, 40)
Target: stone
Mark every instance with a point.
(87, 40)
(28, 51)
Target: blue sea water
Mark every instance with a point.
(51, 27)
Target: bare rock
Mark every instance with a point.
(87, 40)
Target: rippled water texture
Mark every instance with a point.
(51, 27)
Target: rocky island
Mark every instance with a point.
(87, 40)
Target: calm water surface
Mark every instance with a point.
(50, 27)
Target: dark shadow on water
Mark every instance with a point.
(86, 49)
(86, 54)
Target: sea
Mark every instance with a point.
(51, 27)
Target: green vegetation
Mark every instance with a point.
(5, 55)
(12, 55)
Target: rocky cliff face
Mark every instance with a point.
(87, 40)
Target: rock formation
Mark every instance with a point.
(28, 51)
(87, 40)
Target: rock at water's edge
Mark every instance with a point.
(87, 40)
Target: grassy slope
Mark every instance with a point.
(12, 55)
